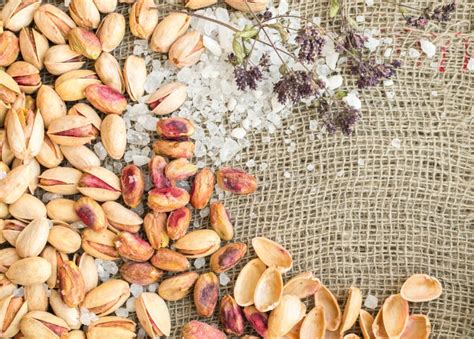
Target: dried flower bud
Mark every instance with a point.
(178, 223)
(132, 182)
(187, 50)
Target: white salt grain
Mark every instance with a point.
(428, 48)
(19, 292)
(396, 143)
(413, 53)
(152, 287)
(470, 65)
(224, 279)
(122, 312)
(287, 174)
(136, 289)
(100, 151)
(371, 301)
(199, 263)
(238, 133)
(360, 18)
(212, 45)
(130, 305)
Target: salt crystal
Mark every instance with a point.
(331, 60)
(229, 150)
(353, 100)
(361, 162)
(199, 263)
(204, 212)
(99, 149)
(238, 133)
(141, 334)
(283, 7)
(67, 2)
(434, 93)
(122, 312)
(310, 167)
(152, 287)
(19, 292)
(396, 143)
(250, 163)
(360, 18)
(136, 289)
(140, 160)
(313, 125)
(388, 52)
(340, 173)
(413, 53)
(137, 138)
(224, 279)
(371, 301)
(78, 225)
(212, 45)
(372, 43)
(153, 81)
(287, 174)
(388, 83)
(428, 48)
(390, 95)
(334, 82)
(470, 64)
(48, 196)
(130, 305)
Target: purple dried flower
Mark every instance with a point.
(419, 22)
(311, 43)
(265, 16)
(247, 76)
(442, 13)
(354, 40)
(295, 86)
(371, 73)
(338, 115)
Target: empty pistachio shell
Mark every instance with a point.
(269, 290)
(71, 315)
(395, 315)
(178, 286)
(421, 287)
(248, 6)
(246, 282)
(200, 243)
(12, 310)
(64, 238)
(351, 309)
(134, 72)
(61, 180)
(80, 157)
(53, 23)
(37, 297)
(29, 271)
(187, 50)
(302, 285)
(61, 59)
(272, 254)
(62, 210)
(418, 327)
(71, 85)
(84, 13)
(314, 324)
(332, 312)
(378, 327)
(287, 314)
(17, 14)
(113, 132)
(365, 322)
(153, 315)
(111, 327)
(28, 207)
(143, 18)
(167, 98)
(33, 46)
(49, 104)
(111, 31)
(108, 297)
(32, 239)
(168, 31)
(99, 184)
(39, 324)
(109, 71)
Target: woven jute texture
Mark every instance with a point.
(371, 213)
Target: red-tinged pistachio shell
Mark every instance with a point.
(17, 14)
(99, 244)
(87, 112)
(143, 18)
(179, 169)
(198, 330)
(285, 316)
(71, 131)
(53, 23)
(91, 214)
(378, 327)
(268, 291)
(132, 247)
(248, 6)
(198, 4)
(178, 286)
(178, 223)
(187, 50)
(168, 98)
(99, 184)
(174, 128)
(84, 13)
(351, 309)
(9, 48)
(153, 315)
(157, 165)
(109, 327)
(395, 315)
(111, 31)
(40, 324)
(167, 199)
(61, 59)
(203, 187)
(220, 221)
(231, 316)
(49, 104)
(84, 42)
(302, 285)
(420, 288)
(121, 218)
(258, 320)
(155, 229)
(132, 182)
(71, 284)
(71, 85)
(174, 149)
(106, 99)
(199, 243)
(365, 322)
(168, 31)
(247, 280)
(227, 257)
(206, 293)
(418, 327)
(272, 254)
(107, 298)
(169, 260)
(33, 46)
(236, 181)
(141, 273)
(332, 312)
(60, 180)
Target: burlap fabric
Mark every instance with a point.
(372, 213)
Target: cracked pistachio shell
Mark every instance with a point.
(55, 259)
(121, 218)
(199, 243)
(177, 287)
(302, 285)
(61, 59)
(11, 229)
(70, 315)
(84, 42)
(351, 309)
(84, 13)
(62, 210)
(33, 238)
(248, 6)
(10, 88)
(395, 315)
(287, 314)
(143, 18)
(420, 288)
(88, 269)
(378, 327)
(153, 315)
(80, 157)
(418, 327)
(111, 31)
(198, 4)
(111, 327)
(187, 50)
(332, 312)
(71, 130)
(268, 291)
(106, 6)
(17, 14)
(12, 310)
(39, 324)
(26, 75)
(167, 98)
(14, 184)
(134, 71)
(9, 48)
(100, 184)
(272, 254)
(108, 297)
(33, 46)
(8, 257)
(53, 23)
(314, 325)
(109, 71)
(365, 322)
(99, 244)
(246, 282)
(37, 297)
(87, 112)
(60, 180)
(71, 85)
(50, 154)
(29, 271)
(6, 287)
(28, 207)
(168, 31)
(113, 132)
(49, 104)
(64, 238)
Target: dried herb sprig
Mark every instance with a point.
(440, 13)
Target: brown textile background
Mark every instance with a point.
(405, 210)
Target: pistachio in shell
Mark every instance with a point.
(106, 99)
(80, 157)
(29, 271)
(113, 132)
(99, 184)
(49, 104)
(40, 324)
(199, 243)
(61, 59)
(272, 254)
(111, 31)
(53, 23)
(108, 297)
(153, 314)
(33, 46)
(62, 210)
(33, 238)
(143, 18)
(71, 85)
(109, 71)
(177, 287)
(111, 327)
(28, 207)
(134, 72)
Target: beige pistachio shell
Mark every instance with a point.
(76, 334)
(170, 96)
(351, 336)
(70, 122)
(62, 210)
(418, 327)
(14, 184)
(61, 59)
(3, 215)
(118, 214)
(14, 326)
(70, 315)
(111, 31)
(187, 50)
(246, 282)
(108, 297)
(395, 315)
(33, 238)
(88, 269)
(29, 271)
(33, 46)
(111, 327)
(134, 71)
(351, 309)
(53, 23)
(80, 157)
(8, 257)
(332, 335)
(7, 81)
(143, 18)
(378, 327)
(37, 297)
(50, 104)
(67, 176)
(28, 207)
(100, 194)
(32, 325)
(93, 243)
(302, 285)
(287, 314)
(11, 230)
(71, 85)
(55, 259)
(17, 14)
(314, 324)
(198, 4)
(420, 288)
(87, 112)
(365, 322)
(113, 132)
(332, 312)
(84, 13)
(197, 244)
(106, 6)
(152, 309)
(269, 290)
(32, 80)
(168, 31)
(177, 287)
(64, 238)
(109, 71)
(35, 170)
(272, 254)
(6, 287)
(248, 6)
(50, 154)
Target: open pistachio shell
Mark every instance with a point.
(302, 285)
(11, 322)
(246, 282)
(87, 112)
(395, 315)
(28, 207)
(268, 290)
(109, 71)
(71, 130)
(39, 324)
(33, 238)
(314, 324)
(332, 312)
(111, 327)
(197, 244)
(365, 322)
(287, 314)
(378, 327)
(352, 309)
(421, 287)
(49, 104)
(100, 184)
(272, 254)
(153, 315)
(134, 72)
(17, 14)
(60, 180)
(70, 315)
(108, 297)
(418, 327)
(113, 132)
(71, 85)
(62, 210)
(121, 218)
